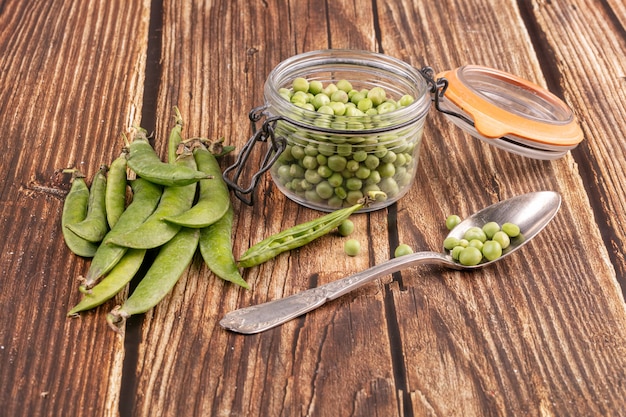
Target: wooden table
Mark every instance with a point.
(540, 334)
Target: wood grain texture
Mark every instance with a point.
(71, 82)
(540, 334)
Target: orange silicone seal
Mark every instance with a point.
(502, 104)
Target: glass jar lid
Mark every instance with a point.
(509, 112)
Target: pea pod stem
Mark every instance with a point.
(298, 235)
(94, 226)
(176, 137)
(168, 266)
(74, 211)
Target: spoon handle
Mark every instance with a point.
(261, 317)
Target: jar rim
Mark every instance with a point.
(382, 68)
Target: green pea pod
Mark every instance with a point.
(146, 196)
(300, 235)
(75, 209)
(115, 193)
(166, 269)
(213, 199)
(94, 226)
(106, 289)
(216, 249)
(155, 231)
(144, 161)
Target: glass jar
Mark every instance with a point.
(332, 160)
(329, 159)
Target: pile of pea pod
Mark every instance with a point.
(178, 206)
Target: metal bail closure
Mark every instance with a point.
(276, 147)
(507, 112)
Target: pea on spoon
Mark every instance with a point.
(531, 212)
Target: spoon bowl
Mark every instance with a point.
(531, 212)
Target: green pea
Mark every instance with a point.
(354, 184)
(450, 242)
(490, 229)
(475, 233)
(336, 179)
(470, 256)
(337, 163)
(377, 95)
(297, 152)
(300, 84)
(213, 194)
(312, 176)
(74, 211)
(502, 238)
(94, 226)
(330, 89)
(296, 171)
(311, 150)
(492, 250)
(362, 172)
(475, 243)
(359, 156)
(325, 171)
(324, 190)
(389, 186)
(405, 100)
(365, 104)
(352, 247)
(339, 96)
(346, 228)
(315, 87)
(339, 109)
(168, 266)
(387, 170)
(402, 250)
(115, 192)
(372, 162)
(511, 229)
(215, 246)
(373, 178)
(309, 162)
(344, 85)
(452, 221)
(327, 149)
(357, 97)
(386, 107)
(354, 196)
(455, 252)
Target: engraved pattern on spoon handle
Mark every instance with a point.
(255, 319)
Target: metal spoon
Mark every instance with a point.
(531, 212)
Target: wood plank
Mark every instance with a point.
(71, 83)
(463, 351)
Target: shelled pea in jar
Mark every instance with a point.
(352, 122)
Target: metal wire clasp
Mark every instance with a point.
(438, 88)
(276, 147)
